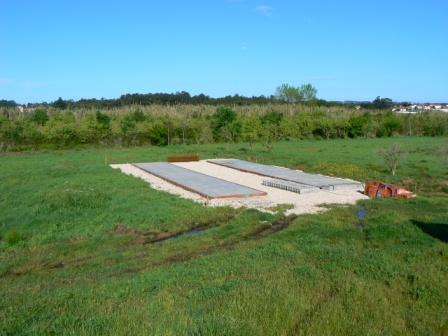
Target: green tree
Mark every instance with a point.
(60, 104)
(127, 124)
(250, 128)
(268, 135)
(158, 134)
(289, 94)
(356, 125)
(103, 120)
(392, 156)
(138, 116)
(382, 103)
(272, 117)
(102, 127)
(39, 116)
(390, 125)
(225, 125)
(309, 92)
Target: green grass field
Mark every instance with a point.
(73, 257)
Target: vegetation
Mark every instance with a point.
(160, 125)
(291, 94)
(178, 98)
(74, 258)
(392, 156)
(7, 103)
(382, 103)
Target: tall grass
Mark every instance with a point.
(47, 127)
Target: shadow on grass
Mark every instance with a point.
(436, 230)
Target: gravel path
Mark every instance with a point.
(301, 204)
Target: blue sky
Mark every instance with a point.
(350, 50)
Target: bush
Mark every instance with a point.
(166, 125)
(272, 117)
(103, 120)
(138, 116)
(39, 116)
(391, 125)
(225, 125)
(392, 156)
(158, 134)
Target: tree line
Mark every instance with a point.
(52, 127)
(285, 93)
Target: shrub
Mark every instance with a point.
(392, 156)
(39, 116)
(127, 124)
(158, 134)
(187, 124)
(103, 120)
(272, 117)
(222, 121)
(391, 125)
(138, 116)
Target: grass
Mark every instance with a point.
(72, 260)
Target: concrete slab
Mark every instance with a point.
(302, 203)
(202, 184)
(298, 188)
(298, 176)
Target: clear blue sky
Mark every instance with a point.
(348, 49)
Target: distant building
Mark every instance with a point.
(400, 109)
(420, 107)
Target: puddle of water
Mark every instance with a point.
(272, 228)
(191, 232)
(361, 213)
(183, 234)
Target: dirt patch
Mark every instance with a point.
(13, 272)
(149, 237)
(143, 237)
(263, 231)
(29, 269)
(140, 236)
(271, 228)
(48, 265)
(182, 257)
(56, 265)
(121, 229)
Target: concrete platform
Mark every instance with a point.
(312, 202)
(297, 176)
(202, 184)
